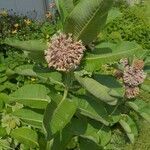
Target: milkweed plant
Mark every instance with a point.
(75, 103)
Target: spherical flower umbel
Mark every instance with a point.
(63, 53)
(132, 76)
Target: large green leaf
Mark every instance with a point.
(109, 53)
(142, 108)
(87, 19)
(32, 45)
(32, 95)
(60, 142)
(98, 90)
(64, 7)
(45, 74)
(130, 127)
(111, 82)
(25, 136)
(91, 130)
(25, 70)
(90, 108)
(48, 75)
(56, 118)
(30, 117)
(86, 144)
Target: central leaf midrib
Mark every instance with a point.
(106, 55)
(96, 116)
(34, 99)
(86, 24)
(26, 138)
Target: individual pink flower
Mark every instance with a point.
(63, 53)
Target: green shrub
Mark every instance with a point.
(131, 26)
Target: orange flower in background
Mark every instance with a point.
(27, 21)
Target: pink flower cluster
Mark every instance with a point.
(133, 75)
(63, 53)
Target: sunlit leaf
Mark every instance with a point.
(106, 53)
(86, 16)
(98, 90)
(56, 118)
(25, 136)
(32, 95)
(30, 117)
(130, 127)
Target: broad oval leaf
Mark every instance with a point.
(32, 45)
(109, 53)
(56, 119)
(46, 74)
(86, 144)
(90, 108)
(142, 108)
(87, 19)
(91, 130)
(98, 90)
(25, 136)
(32, 95)
(130, 127)
(30, 117)
(25, 70)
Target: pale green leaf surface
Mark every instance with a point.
(25, 136)
(130, 127)
(98, 90)
(32, 45)
(30, 117)
(106, 53)
(56, 118)
(90, 108)
(32, 95)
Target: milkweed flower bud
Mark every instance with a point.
(124, 61)
(63, 53)
(131, 92)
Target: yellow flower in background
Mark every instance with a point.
(48, 15)
(33, 79)
(14, 31)
(16, 25)
(27, 21)
(4, 13)
(47, 36)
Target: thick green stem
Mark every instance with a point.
(67, 85)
